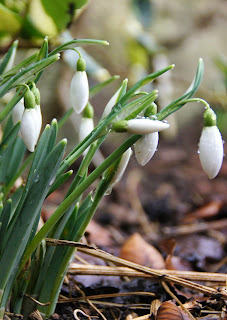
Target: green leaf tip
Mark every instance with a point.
(64, 142)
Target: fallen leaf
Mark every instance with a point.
(169, 311)
(137, 250)
(98, 235)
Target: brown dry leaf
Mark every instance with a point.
(207, 211)
(169, 311)
(137, 250)
(98, 235)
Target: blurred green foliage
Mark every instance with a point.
(35, 19)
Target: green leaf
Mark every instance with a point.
(10, 22)
(23, 226)
(4, 220)
(26, 74)
(98, 87)
(8, 140)
(9, 57)
(62, 12)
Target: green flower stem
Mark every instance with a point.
(196, 100)
(98, 87)
(65, 117)
(74, 195)
(177, 104)
(76, 43)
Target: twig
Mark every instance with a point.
(195, 227)
(155, 273)
(90, 303)
(78, 269)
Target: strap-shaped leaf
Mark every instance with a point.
(27, 217)
(8, 140)
(4, 220)
(26, 74)
(8, 56)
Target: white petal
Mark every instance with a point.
(17, 111)
(145, 147)
(86, 126)
(211, 151)
(79, 91)
(122, 166)
(145, 126)
(28, 129)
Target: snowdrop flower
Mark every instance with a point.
(29, 128)
(31, 119)
(140, 126)
(79, 88)
(145, 147)
(211, 149)
(121, 167)
(18, 111)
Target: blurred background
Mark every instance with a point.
(144, 35)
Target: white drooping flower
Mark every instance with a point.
(145, 126)
(145, 147)
(121, 167)
(79, 88)
(18, 111)
(28, 128)
(86, 126)
(211, 150)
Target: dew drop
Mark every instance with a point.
(108, 192)
(198, 151)
(37, 178)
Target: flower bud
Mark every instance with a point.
(79, 91)
(140, 126)
(31, 126)
(145, 147)
(144, 126)
(211, 150)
